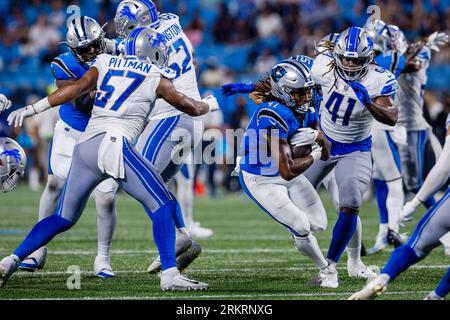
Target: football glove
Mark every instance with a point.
(231, 89)
(436, 39)
(304, 137)
(361, 92)
(211, 101)
(16, 117)
(5, 104)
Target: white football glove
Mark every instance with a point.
(304, 137)
(16, 117)
(408, 210)
(5, 104)
(212, 102)
(316, 153)
(436, 39)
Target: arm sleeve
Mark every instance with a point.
(438, 175)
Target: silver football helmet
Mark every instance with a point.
(85, 38)
(353, 53)
(132, 14)
(291, 82)
(149, 45)
(386, 37)
(12, 163)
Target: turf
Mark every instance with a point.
(249, 257)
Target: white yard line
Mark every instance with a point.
(193, 296)
(219, 270)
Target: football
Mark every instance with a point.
(301, 151)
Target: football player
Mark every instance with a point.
(410, 106)
(85, 40)
(126, 92)
(389, 46)
(275, 182)
(161, 141)
(433, 226)
(355, 91)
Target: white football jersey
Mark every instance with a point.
(126, 93)
(343, 117)
(410, 96)
(181, 59)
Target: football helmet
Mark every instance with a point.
(12, 163)
(132, 14)
(386, 37)
(353, 52)
(86, 39)
(291, 82)
(146, 44)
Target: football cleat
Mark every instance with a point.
(380, 244)
(35, 261)
(433, 296)
(8, 266)
(102, 267)
(186, 258)
(360, 270)
(394, 238)
(198, 232)
(375, 288)
(182, 244)
(172, 280)
(328, 278)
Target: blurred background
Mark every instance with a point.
(236, 40)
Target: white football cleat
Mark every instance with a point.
(360, 270)
(198, 232)
(8, 266)
(102, 267)
(34, 261)
(433, 296)
(328, 277)
(375, 288)
(171, 279)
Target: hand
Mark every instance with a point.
(304, 137)
(437, 39)
(212, 102)
(16, 117)
(5, 104)
(407, 211)
(234, 88)
(361, 92)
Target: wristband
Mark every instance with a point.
(41, 105)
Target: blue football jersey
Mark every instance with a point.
(392, 61)
(276, 120)
(66, 67)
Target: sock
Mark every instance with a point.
(431, 201)
(394, 203)
(342, 233)
(309, 247)
(106, 220)
(179, 221)
(50, 197)
(381, 191)
(443, 287)
(354, 245)
(164, 234)
(401, 259)
(44, 231)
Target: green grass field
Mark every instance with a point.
(249, 257)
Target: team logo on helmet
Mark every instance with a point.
(277, 73)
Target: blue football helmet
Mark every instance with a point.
(353, 53)
(132, 14)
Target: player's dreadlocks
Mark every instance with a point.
(263, 90)
(326, 45)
